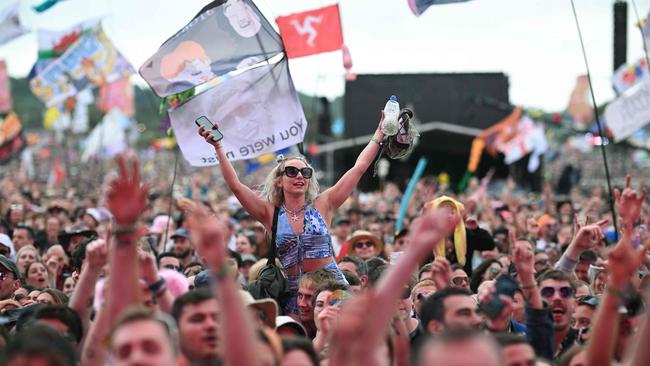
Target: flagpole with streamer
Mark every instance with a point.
(598, 123)
(419, 170)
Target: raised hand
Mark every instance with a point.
(148, 269)
(624, 261)
(207, 234)
(127, 197)
(436, 223)
(502, 320)
(207, 135)
(522, 257)
(97, 254)
(629, 202)
(440, 272)
(588, 236)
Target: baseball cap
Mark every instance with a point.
(248, 258)
(180, 233)
(9, 266)
(340, 220)
(283, 321)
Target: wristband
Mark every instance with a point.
(528, 287)
(156, 286)
(223, 272)
(376, 140)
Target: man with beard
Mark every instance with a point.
(182, 246)
(557, 289)
(197, 316)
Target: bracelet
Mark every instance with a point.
(616, 292)
(528, 287)
(156, 286)
(223, 272)
(376, 140)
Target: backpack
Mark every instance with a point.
(271, 282)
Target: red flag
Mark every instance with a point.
(311, 32)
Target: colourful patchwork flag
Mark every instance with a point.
(311, 32)
(224, 36)
(91, 61)
(12, 138)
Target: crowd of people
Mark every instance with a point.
(289, 275)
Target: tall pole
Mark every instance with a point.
(620, 33)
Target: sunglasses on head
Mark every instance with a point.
(588, 300)
(459, 281)
(292, 172)
(363, 244)
(422, 296)
(565, 292)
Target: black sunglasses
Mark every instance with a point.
(363, 244)
(292, 172)
(565, 292)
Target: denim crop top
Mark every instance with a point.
(314, 242)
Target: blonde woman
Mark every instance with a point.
(26, 256)
(303, 242)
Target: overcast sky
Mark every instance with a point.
(534, 42)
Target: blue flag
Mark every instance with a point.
(419, 6)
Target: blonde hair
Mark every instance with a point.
(272, 193)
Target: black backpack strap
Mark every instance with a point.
(274, 228)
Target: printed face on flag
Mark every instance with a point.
(311, 32)
(214, 43)
(242, 18)
(258, 112)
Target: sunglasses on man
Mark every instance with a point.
(459, 281)
(565, 292)
(292, 172)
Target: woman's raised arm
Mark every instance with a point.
(259, 209)
(336, 195)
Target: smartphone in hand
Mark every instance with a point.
(204, 122)
(505, 285)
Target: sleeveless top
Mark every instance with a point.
(314, 242)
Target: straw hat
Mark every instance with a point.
(365, 235)
(267, 306)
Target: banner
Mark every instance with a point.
(5, 91)
(215, 42)
(10, 25)
(311, 32)
(116, 95)
(626, 76)
(258, 112)
(419, 6)
(91, 61)
(12, 139)
(629, 112)
(108, 138)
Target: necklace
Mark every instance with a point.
(293, 215)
